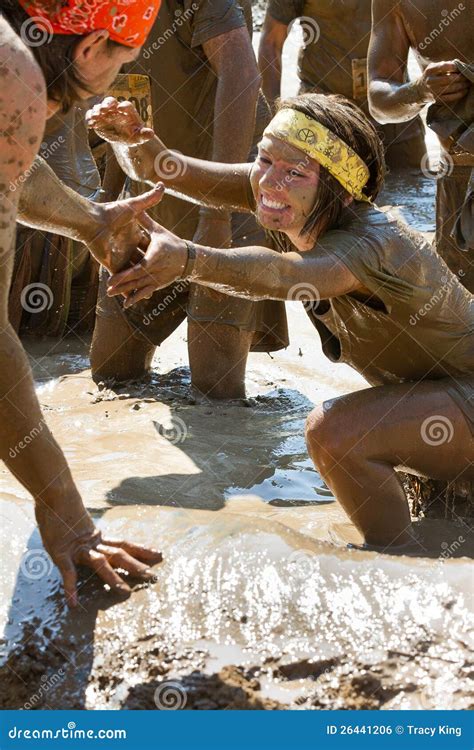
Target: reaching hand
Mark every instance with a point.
(444, 82)
(117, 237)
(163, 263)
(71, 539)
(118, 122)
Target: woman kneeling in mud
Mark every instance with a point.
(381, 299)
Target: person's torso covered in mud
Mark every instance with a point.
(415, 320)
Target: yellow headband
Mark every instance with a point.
(325, 147)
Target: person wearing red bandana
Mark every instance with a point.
(53, 54)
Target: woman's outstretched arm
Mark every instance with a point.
(145, 158)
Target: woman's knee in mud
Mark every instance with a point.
(328, 436)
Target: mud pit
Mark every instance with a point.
(259, 604)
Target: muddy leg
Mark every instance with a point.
(116, 353)
(357, 441)
(218, 357)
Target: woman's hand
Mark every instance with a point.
(116, 236)
(118, 122)
(163, 263)
(71, 539)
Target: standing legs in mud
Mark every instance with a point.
(357, 441)
(217, 355)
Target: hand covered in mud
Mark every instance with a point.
(71, 539)
(163, 263)
(443, 82)
(118, 122)
(117, 237)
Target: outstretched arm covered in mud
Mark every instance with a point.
(26, 444)
(391, 97)
(252, 272)
(139, 152)
(110, 230)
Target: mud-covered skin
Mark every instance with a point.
(67, 530)
(353, 453)
(438, 33)
(401, 26)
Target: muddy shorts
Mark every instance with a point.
(155, 319)
(450, 196)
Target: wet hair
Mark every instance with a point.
(55, 57)
(348, 122)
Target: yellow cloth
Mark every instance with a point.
(325, 147)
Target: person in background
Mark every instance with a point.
(441, 36)
(60, 273)
(205, 101)
(80, 58)
(333, 60)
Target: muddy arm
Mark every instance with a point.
(270, 50)
(208, 183)
(110, 230)
(47, 203)
(391, 98)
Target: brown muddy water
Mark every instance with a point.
(259, 603)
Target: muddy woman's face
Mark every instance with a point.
(284, 182)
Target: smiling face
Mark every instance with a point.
(284, 183)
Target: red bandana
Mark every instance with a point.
(127, 21)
